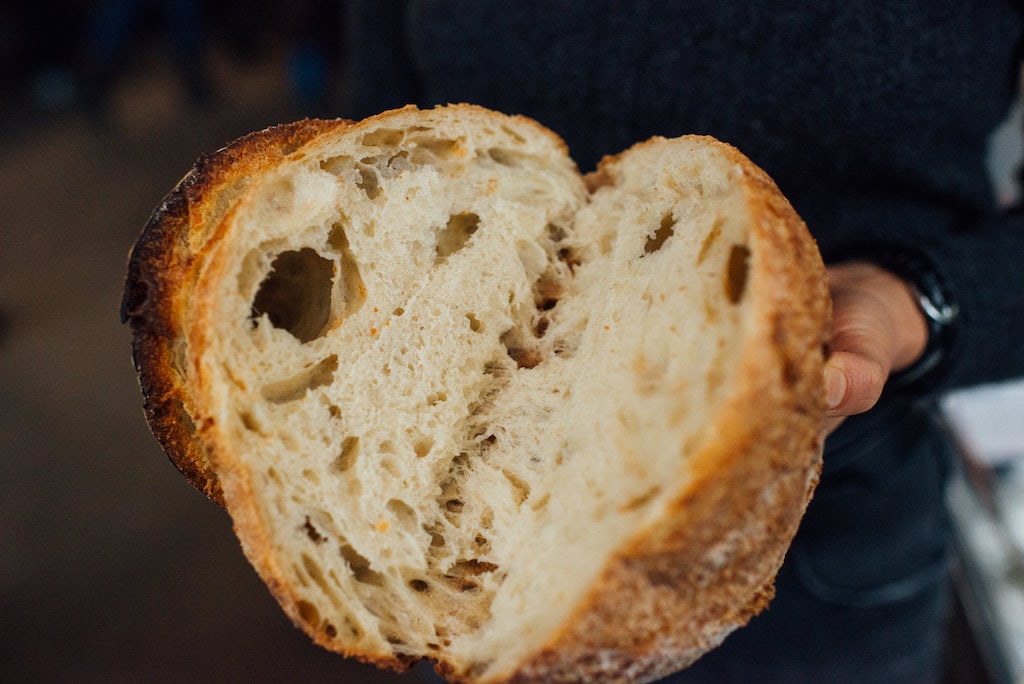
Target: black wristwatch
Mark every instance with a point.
(935, 302)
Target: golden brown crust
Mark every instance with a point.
(162, 266)
(708, 565)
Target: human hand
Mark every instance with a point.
(877, 329)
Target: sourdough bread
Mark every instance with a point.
(465, 404)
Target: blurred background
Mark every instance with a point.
(112, 568)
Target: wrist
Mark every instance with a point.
(911, 325)
(926, 344)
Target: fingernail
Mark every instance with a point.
(835, 386)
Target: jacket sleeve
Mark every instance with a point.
(982, 267)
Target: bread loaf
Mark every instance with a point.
(465, 404)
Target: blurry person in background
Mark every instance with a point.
(311, 29)
(304, 34)
(112, 30)
(875, 120)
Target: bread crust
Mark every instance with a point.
(162, 268)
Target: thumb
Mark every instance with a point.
(853, 382)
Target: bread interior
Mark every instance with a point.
(446, 382)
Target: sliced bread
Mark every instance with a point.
(466, 404)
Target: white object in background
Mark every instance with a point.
(989, 585)
(986, 504)
(989, 420)
(1005, 155)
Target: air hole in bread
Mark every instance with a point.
(349, 292)
(736, 273)
(308, 612)
(570, 258)
(429, 150)
(512, 133)
(525, 358)
(642, 500)
(337, 165)
(316, 573)
(664, 231)
(547, 290)
(296, 294)
(473, 566)
(250, 423)
(555, 232)
(337, 239)
(492, 368)
(397, 164)
(436, 532)
(419, 586)
(422, 446)
(520, 487)
(383, 137)
(353, 629)
(463, 573)
(405, 515)
(505, 157)
(360, 567)
(710, 239)
(330, 631)
(313, 533)
(294, 388)
(455, 234)
(347, 458)
(368, 183)
(390, 466)
(525, 355)
(474, 323)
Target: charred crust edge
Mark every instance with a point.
(159, 272)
